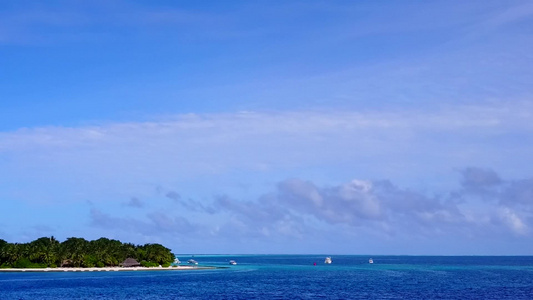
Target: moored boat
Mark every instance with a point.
(328, 260)
(232, 262)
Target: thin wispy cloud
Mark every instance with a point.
(225, 128)
(198, 145)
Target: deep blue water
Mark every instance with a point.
(293, 277)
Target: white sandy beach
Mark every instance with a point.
(106, 269)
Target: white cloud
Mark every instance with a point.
(227, 129)
(514, 222)
(242, 146)
(299, 211)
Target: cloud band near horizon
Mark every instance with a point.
(411, 160)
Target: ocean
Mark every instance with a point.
(293, 277)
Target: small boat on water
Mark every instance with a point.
(232, 262)
(192, 262)
(371, 261)
(328, 260)
(177, 261)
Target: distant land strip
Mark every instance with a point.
(47, 254)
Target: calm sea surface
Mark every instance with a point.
(293, 277)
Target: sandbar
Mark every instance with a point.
(109, 269)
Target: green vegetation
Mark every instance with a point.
(78, 252)
(145, 263)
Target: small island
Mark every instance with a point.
(79, 254)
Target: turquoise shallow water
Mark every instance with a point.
(293, 277)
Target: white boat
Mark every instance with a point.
(371, 261)
(328, 260)
(177, 261)
(232, 262)
(192, 262)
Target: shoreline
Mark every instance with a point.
(109, 269)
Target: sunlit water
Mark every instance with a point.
(292, 277)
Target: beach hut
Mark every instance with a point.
(67, 263)
(130, 262)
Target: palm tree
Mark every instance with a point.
(158, 253)
(80, 252)
(75, 249)
(43, 250)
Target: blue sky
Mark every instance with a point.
(356, 127)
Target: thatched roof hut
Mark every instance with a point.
(66, 263)
(130, 262)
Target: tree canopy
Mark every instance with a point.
(79, 252)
